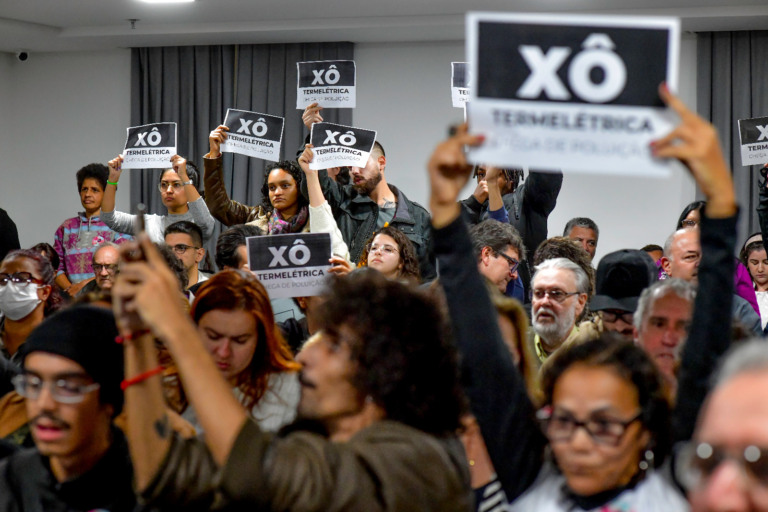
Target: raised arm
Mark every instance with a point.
(117, 221)
(219, 204)
(320, 216)
(496, 208)
(147, 290)
(494, 386)
(695, 143)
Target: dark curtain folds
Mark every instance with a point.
(731, 85)
(194, 85)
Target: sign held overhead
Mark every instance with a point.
(331, 83)
(753, 134)
(573, 92)
(150, 146)
(253, 134)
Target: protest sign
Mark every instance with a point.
(336, 145)
(292, 265)
(331, 83)
(459, 84)
(753, 134)
(253, 134)
(150, 146)
(578, 93)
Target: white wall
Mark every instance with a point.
(60, 111)
(404, 94)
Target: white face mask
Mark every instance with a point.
(18, 301)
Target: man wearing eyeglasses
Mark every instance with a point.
(186, 240)
(559, 295)
(72, 369)
(105, 266)
(498, 248)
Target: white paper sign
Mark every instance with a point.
(336, 145)
(753, 134)
(459, 84)
(253, 134)
(292, 265)
(150, 146)
(578, 93)
(331, 83)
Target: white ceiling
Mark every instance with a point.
(80, 25)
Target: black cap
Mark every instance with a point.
(621, 278)
(86, 335)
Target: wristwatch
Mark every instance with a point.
(188, 182)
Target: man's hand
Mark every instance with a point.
(481, 191)
(75, 288)
(312, 115)
(215, 138)
(694, 142)
(448, 173)
(115, 168)
(179, 164)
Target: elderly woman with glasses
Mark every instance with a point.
(178, 188)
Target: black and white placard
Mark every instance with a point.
(753, 134)
(253, 134)
(459, 84)
(336, 145)
(573, 92)
(292, 265)
(331, 83)
(150, 146)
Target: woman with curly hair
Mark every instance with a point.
(283, 210)
(235, 321)
(391, 252)
(27, 296)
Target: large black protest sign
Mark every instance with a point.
(336, 145)
(292, 265)
(754, 141)
(150, 146)
(575, 92)
(253, 134)
(459, 84)
(331, 83)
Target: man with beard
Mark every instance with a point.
(72, 369)
(621, 278)
(559, 296)
(369, 203)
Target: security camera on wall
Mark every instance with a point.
(22, 56)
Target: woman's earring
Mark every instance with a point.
(648, 461)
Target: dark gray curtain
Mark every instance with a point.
(731, 85)
(194, 86)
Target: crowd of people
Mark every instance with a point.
(458, 359)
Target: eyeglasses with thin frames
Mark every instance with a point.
(385, 248)
(182, 248)
(554, 294)
(112, 268)
(165, 185)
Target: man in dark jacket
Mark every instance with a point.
(528, 206)
(71, 381)
(369, 203)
